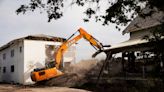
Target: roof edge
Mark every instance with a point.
(32, 37)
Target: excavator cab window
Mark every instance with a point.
(50, 64)
(41, 73)
(38, 69)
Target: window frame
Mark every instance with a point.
(4, 56)
(12, 68)
(20, 49)
(4, 69)
(12, 53)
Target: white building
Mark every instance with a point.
(20, 56)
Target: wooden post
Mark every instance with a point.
(108, 57)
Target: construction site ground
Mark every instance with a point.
(82, 77)
(20, 88)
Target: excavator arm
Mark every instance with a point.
(83, 34)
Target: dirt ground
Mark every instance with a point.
(16, 88)
(74, 76)
(81, 78)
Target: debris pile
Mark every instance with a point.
(76, 74)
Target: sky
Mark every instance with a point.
(13, 26)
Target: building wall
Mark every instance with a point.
(69, 55)
(16, 60)
(35, 56)
(139, 34)
(32, 55)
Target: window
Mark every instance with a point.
(4, 69)
(41, 73)
(12, 53)
(12, 68)
(20, 49)
(4, 56)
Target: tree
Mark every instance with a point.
(116, 11)
(156, 41)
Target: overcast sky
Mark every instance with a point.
(14, 26)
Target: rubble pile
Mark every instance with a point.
(76, 74)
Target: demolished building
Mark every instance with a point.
(137, 46)
(20, 56)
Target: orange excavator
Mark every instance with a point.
(48, 73)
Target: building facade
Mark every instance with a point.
(139, 54)
(19, 57)
(138, 29)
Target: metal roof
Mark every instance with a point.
(130, 45)
(140, 23)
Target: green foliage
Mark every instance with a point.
(157, 34)
(156, 39)
(117, 11)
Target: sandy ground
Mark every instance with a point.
(14, 88)
(75, 75)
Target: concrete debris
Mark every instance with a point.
(75, 75)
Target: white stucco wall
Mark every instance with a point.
(139, 34)
(69, 55)
(16, 60)
(34, 56)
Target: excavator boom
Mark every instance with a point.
(44, 74)
(83, 34)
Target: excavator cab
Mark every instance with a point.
(50, 64)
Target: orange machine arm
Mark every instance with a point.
(59, 53)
